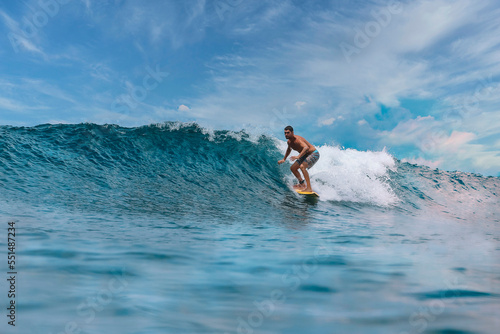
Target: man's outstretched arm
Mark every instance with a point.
(288, 150)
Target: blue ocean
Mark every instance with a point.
(175, 228)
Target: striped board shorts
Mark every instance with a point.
(311, 159)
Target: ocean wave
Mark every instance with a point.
(181, 167)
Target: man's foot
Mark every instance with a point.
(309, 190)
(300, 185)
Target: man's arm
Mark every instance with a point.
(303, 152)
(288, 150)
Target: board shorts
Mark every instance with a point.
(311, 159)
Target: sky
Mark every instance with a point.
(418, 78)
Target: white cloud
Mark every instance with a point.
(411, 131)
(429, 135)
(424, 23)
(456, 140)
(300, 104)
(440, 146)
(183, 107)
(327, 122)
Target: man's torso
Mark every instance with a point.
(299, 143)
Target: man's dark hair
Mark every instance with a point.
(289, 128)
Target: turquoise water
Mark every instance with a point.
(173, 228)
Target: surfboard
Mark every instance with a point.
(306, 193)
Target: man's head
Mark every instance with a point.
(288, 132)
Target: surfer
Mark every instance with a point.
(308, 156)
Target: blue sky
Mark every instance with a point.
(421, 78)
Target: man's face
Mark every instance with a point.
(288, 134)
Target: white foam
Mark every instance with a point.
(243, 135)
(351, 175)
(210, 132)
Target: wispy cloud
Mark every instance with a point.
(45, 88)
(17, 37)
(10, 105)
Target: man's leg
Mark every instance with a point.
(303, 168)
(295, 170)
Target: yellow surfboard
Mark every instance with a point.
(307, 193)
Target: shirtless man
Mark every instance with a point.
(305, 160)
